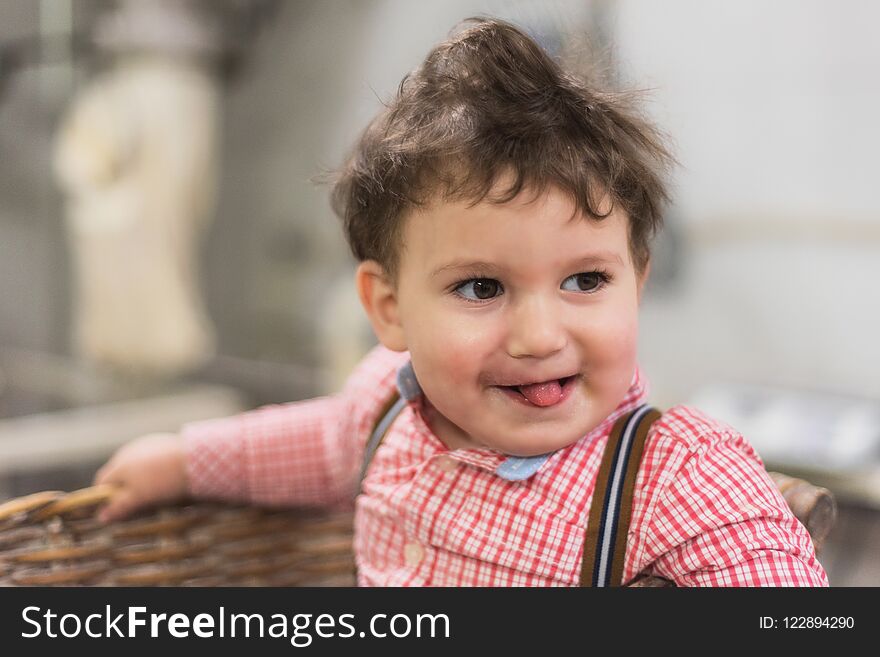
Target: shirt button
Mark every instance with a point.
(447, 463)
(413, 553)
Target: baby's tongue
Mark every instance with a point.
(542, 394)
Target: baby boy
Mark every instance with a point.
(501, 210)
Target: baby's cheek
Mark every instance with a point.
(456, 365)
(628, 340)
(459, 346)
(448, 357)
(614, 340)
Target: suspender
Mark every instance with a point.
(386, 417)
(611, 508)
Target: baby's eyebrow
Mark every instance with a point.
(599, 258)
(589, 260)
(478, 265)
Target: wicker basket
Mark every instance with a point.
(54, 539)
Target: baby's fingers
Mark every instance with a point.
(119, 506)
(115, 471)
(103, 475)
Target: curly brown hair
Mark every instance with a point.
(489, 108)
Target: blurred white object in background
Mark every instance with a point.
(833, 438)
(136, 157)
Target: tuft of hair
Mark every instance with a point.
(487, 115)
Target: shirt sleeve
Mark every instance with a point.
(719, 520)
(304, 453)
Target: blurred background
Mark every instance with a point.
(166, 256)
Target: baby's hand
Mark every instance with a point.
(149, 470)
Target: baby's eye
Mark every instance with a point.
(587, 281)
(479, 289)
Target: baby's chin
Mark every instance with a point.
(525, 445)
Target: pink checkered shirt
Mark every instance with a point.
(705, 513)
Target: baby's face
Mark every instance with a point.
(521, 321)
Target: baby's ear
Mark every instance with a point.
(378, 296)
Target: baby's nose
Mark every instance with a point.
(536, 330)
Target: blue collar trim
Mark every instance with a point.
(517, 468)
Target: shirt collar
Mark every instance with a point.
(518, 468)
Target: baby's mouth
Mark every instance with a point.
(544, 393)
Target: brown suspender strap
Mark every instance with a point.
(611, 508)
(390, 411)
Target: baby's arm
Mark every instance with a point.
(716, 518)
(300, 453)
(282, 454)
